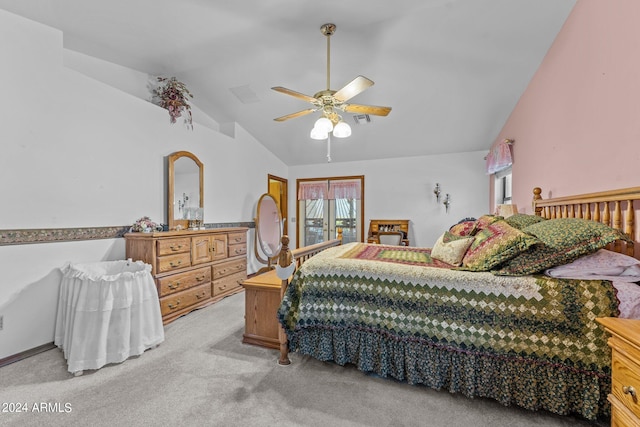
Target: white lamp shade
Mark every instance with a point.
(318, 134)
(342, 130)
(323, 124)
(507, 210)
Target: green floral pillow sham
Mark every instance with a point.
(563, 240)
(495, 243)
(521, 221)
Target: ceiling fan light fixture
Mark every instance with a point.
(342, 130)
(323, 124)
(318, 134)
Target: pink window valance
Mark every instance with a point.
(345, 190)
(313, 190)
(499, 157)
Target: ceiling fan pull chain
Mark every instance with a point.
(329, 148)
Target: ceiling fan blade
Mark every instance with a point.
(294, 115)
(295, 94)
(366, 109)
(354, 87)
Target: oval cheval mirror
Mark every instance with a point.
(268, 233)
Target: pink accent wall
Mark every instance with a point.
(577, 125)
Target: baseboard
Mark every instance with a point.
(27, 353)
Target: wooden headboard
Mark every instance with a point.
(614, 208)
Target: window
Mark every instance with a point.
(502, 187)
(328, 204)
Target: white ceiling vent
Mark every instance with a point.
(361, 119)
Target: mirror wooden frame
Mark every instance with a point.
(171, 221)
(270, 261)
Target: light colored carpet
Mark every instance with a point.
(202, 375)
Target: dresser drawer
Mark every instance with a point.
(621, 416)
(235, 238)
(228, 283)
(173, 246)
(239, 249)
(174, 262)
(184, 299)
(181, 281)
(625, 382)
(228, 268)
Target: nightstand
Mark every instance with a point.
(625, 370)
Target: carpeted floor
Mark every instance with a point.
(202, 375)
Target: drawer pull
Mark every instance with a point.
(171, 306)
(238, 239)
(175, 247)
(175, 265)
(174, 286)
(200, 296)
(200, 278)
(628, 389)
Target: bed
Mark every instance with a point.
(485, 323)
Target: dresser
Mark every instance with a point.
(625, 370)
(192, 269)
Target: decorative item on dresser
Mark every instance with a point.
(192, 268)
(377, 225)
(625, 370)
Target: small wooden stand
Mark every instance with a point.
(262, 299)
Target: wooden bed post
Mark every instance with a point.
(536, 196)
(284, 260)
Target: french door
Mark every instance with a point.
(328, 205)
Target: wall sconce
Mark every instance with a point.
(446, 202)
(436, 191)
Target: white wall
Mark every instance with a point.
(78, 152)
(402, 188)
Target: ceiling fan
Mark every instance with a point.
(331, 101)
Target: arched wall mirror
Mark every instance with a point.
(268, 231)
(186, 191)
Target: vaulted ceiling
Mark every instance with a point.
(452, 70)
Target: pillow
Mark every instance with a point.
(450, 248)
(521, 221)
(469, 226)
(494, 244)
(600, 265)
(563, 241)
(485, 220)
(464, 228)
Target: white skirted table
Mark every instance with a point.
(107, 312)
